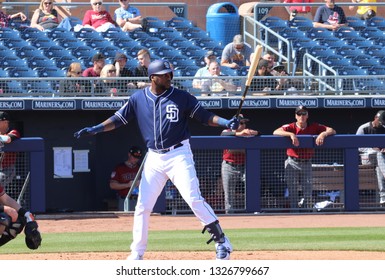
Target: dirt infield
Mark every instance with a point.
(123, 222)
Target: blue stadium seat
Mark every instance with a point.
(15, 43)
(298, 48)
(372, 33)
(149, 23)
(346, 33)
(179, 23)
(336, 61)
(350, 84)
(56, 52)
(40, 62)
(32, 86)
(153, 43)
(218, 50)
(65, 61)
(33, 33)
(17, 23)
(114, 34)
(168, 33)
(194, 52)
(181, 62)
(190, 71)
(9, 33)
(229, 71)
(206, 43)
(99, 43)
(69, 44)
(356, 23)
(168, 52)
(4, 51)
(47, 72)
(376, 70)
(28, 51)
(349, 51)
(365, 61)
(301, 23)
(42, 43)
(317, 33)
(139, 35)
(332, 42)
(12, 62)
(132, 64)
(181, 43)
(359, 42)
(83, 52)
(110, 52)
(376, 21)
(60, 33)
(133, 50)
(124, 42)
(195, 33)
(86, 34)
(375, 51)
(243, 71)
(275, 24)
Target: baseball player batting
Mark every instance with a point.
(164, 112)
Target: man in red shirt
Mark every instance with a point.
(233, 168)
(122, 178)
(299, 10)
(98, 18)
(298, 166)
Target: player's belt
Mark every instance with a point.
(300, 159)
(163, 151)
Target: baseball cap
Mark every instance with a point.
(97, 57)
(300, 108)
(4, 116)
(120, 56)
(209, 53)
(136, 152)
(381, 117)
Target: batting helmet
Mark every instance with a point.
(159, 67)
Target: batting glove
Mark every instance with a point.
(233, 123)
(89, 131)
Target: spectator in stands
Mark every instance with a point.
(216, 85)
(4, 18)
(127, 16)
(99, 61)
(144, 59)
(120, 62)
(8, 159)
(123, 176)
(298, 166)
(233, 167)
(330, 16)
(236, 54)
(73, 86)
(98, 18)
(298, 9)
(264, 70)
(111, 87)
(204, 71)
(375, 156)
(46, 16)
(364, 12)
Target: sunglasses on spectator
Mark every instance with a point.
(97, 3)
(111, 71)
(301, 113)
(76, 72)
(123, 0)
(47, 3)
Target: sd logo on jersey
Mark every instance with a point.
(172, 113)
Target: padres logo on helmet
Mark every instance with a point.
(159, 67)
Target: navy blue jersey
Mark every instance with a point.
(163, 119)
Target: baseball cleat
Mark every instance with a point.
(223, 250)
(135, 257)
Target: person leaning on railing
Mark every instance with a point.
(73, 86)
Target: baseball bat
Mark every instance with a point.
(23, 189)
(250, 75)
(136, 177)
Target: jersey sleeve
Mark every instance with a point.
(197, 111)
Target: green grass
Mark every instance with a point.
(313, 239)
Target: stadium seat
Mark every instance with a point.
(18, 23)
(179, 23)
(149, 23)
(218, 50)
(42, 43)
(124, 42)
(181, 43)
(243, 71)
(275, 24)
(4, 51)
(153, 43)
(372, 33)
(317, 33)
(132, 64)
(336, 61)
(40, 62)
(346, 33)
(168, 33)
(47, 72)
(65, 61)
(110, 52)
(168, 52)
(190, 71)
(376, 21)
(56, 52)
(356, 23)
(12, 62)
(349, 51)
(83, 52)
(206, 43)
(86, 34)
(33, 33)
(194, 52)
(376, 70)
(28, 51)
(139, 35)
(15, 43)
(32, 86)
(181, 62)
(9, 33)
(99, 43)
(359, 42)
(375, 51)
(298, 48)
(227, 71)
(133, 50)
(60, 33)
(301, 23)
(332, 42)
(114, 34)
(350, 84)
(69, 44)
(195, 33)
